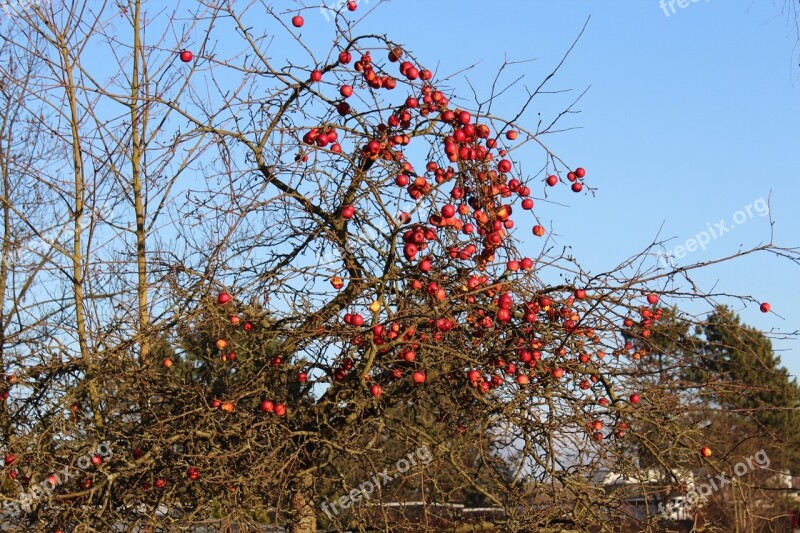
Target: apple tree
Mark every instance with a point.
(307, 291)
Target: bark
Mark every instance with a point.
(78, 259)
(6, 252)
(137, 129)
(305, 514)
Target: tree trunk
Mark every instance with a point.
(305, 515)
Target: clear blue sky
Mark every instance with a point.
(688, 119)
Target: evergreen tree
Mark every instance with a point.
(768, 398)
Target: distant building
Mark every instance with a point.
(652, 493)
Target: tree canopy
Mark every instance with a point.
(290, 289)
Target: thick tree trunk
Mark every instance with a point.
(305, 514)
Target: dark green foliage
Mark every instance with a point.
(769, 396)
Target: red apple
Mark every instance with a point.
(192, 473)
(635, 398)
(222, 344)
(297, 21)
(418, 377)
(167, 362)
(527, 204)
(652, 298)
(395, 54)
(337, 282)
(160, 483)
(352, 5)
(343, 108)
(186, 56)
(765, 307)
(580, 172)
(280, 409)
(511, 135)
(538, 230)
(223, 298)
(376, 390)
(267, 406)
(705, 451)
(97, 460)
(302, 377)
(348, 211)
(316, 75)
(552, 180)
(346, 91)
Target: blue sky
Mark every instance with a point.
(689, 118)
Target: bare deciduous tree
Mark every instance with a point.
(280, 282)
